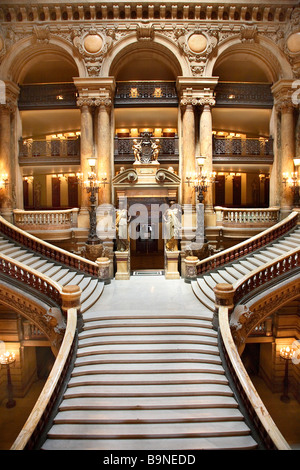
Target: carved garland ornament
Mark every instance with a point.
(244, 319)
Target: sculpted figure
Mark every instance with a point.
(137, 149)
(172, 221)
(155, 149)
(122, 219)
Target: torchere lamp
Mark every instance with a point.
(286, 353)
(201, 181)
(92, 186)
(6, 360)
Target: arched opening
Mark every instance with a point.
(241, 127)
(50, 127)
(145, 68)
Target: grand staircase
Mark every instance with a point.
(148, 372)
(91, 287)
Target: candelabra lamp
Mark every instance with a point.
(6, 360)
(286, 353)
(92, 186)
(201, 181)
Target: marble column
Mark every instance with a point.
(206, 147)
(104, 137)
(86, 152)
(188, 150)
(287, 153)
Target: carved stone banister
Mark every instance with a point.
(248, 246)
(46, 249)
(266, 428)
(266, 273)
(245, 318)
(40, 414)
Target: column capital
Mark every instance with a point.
(197, 91)
(95, 91)
(282, 92)
(9, 93)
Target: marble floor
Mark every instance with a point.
(134, 296)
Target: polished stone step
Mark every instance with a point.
(198, 415)
(182, 443)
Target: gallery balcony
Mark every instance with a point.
(48, 152)
(242, 150)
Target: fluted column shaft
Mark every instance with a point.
(188, 152)
(287, 153)
(206, 150)
(104, 151)
(86, 148)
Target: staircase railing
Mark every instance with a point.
(227, 297)
(257, 411)
(248, 246)
(40, 414)
(52, 252)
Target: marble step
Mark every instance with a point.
(150, 378)
(156, 357)
(147, 322)
(148, 403)
(206, 301)
(147, 348)
(101, 417)
(146, 368)
(117, 330)
(146, 340)
(206, 289)
(198, 443)
(91, 295)
(171, 390)
(235, 274)
(151, 431)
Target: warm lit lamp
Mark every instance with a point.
(286, 353)
(92, 186)
(6, 360)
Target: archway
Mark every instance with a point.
(142, 64)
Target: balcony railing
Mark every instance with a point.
(47, 96)
(146, 93)
(48, 151)
(255, 150)
(124, 152)
(43, 220)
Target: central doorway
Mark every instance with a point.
(147, 248)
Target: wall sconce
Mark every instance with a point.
(6, 360)
(29, 179)
(286, 353)
(293, 181)
(4, 180)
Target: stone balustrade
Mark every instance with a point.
(249, 245)
(243, 216)
(54, 219)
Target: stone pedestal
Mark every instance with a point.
(224, 298)
(190, 272)
(171, 260)
(123, 265)
(103, 273)
(71, 299)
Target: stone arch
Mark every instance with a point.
(28, 51)
(264, 53)
(49, 320)
(159, 46)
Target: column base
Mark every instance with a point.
(123, 265)
(171, 271)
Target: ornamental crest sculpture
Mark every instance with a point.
(146, 150)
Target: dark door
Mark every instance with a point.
(25, 194)
(237, 191)
(72, 192)
(220, 190)
(55, 192)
